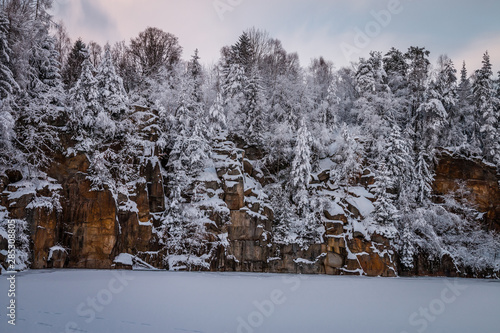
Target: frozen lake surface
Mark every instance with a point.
(59, 301)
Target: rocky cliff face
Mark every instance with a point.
(73, 226)
(479, 180)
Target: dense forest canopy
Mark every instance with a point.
(389, 114)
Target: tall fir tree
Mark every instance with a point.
(112, 94)
(85, 105)
(7, 82)
(217, 118)
(485, 104)
(301, 169)
(196, 72)
(465, 117)
(71, 72)
(255, 112)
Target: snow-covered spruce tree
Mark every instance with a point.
(255, 110)
(396, 69)
(234, 83)
(300, 173)
(40, 105)
(400, 164)
(299, 222)
(365, 77)
(87, 120)
(7, 87)
(485, 104)
(217, 118)
(196, 72)
(444, 86)
(347, 158)
(72, 71)
(7, 82)
(385, 212)
(242, 53)
(429, 121)
(8, 155)
(465, 119)
(112, 95)
(183, 230)
(418, 72)
(283, 115)
(330, 117)
(375, 107)
(84, 97)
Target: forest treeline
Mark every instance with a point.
(389, 113)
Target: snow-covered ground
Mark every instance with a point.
(55, 301)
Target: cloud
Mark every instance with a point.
(312, 29)
(86, 19)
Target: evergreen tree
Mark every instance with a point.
(234, 83)
(385, 212)
(399, 163)
(112, 95)
(347, 158)
(444, 88)
(396, 68)
(301, 169)
(365, 79)
(418, 71)
(7, 87)
(196, 72)
(85, 106)
(183, 230)
(217, 118)
(242, 53)
(7, 82)
(485, 103)
(465, 117)
(7, 135)
(429, 122)
(72, 71)
(254, 123)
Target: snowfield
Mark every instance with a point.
(56, 301)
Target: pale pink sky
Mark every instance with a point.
(462, 29)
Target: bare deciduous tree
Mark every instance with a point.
(154, 48)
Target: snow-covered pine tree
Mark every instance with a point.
(485, 107)
(7, 87)
(217, 118)
(347, 158)
(234, 83)
(396, 68)
(7, 135)
(242, 53)
(468, 124)
(72, 71)
(418, 71)
(385, 212)
(444, 86)
(183, 230)
(300, 173)
(85, 107)
(255, 110)
(112, 94)
(428, 123)
(196, 72)
(7, 82)
(40, 107)
(365, 80)
(399, 163)
(330, 117)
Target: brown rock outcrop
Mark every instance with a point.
(478, 178)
